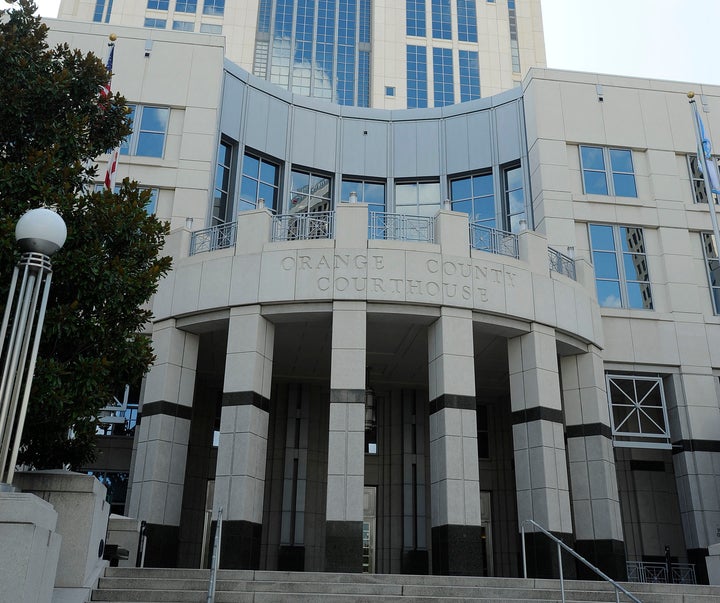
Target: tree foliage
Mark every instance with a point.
(53, 123)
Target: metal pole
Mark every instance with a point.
(703, 169)
(215, 564)
(562, 578)
(522, 538)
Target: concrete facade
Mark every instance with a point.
(403, 403)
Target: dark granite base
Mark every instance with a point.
(457, 550)
(291, 558)
(542, 556)
(343, 546)
(416, 562)
(240, 547)
(697, 556)
(161, 547)
(607, 555)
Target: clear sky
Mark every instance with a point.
(663, 39)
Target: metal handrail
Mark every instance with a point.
(492, 240)
(220, 236)
(215, 560)
(401, 227)
(561, 263)
(561, 546)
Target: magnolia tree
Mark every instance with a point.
(53, 123)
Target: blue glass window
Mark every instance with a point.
(514, 47)
(211, 28)
(309, 192)
(155, 23)
(147, 140)
(389, 90)
(514, 198)
(443, 77)
(372, 193)
(415, 17)
(264, 12)
(622, 279)
(222, 194)
(475, 195)
(364, 37)
(184, 25)
(260, 180)
(214, 7)
(441, 21)
(469, 75)
(712, 263)
(346, 52)
(99, 11)
(595, 162)
(417, 77)
(363, 79)
(467, 21)
(109, 10)
(324, 50)
(158, 4)
(186, 6)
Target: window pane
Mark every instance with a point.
(268, 193)
(516, 201)
(601, 237)
(714, 271)
(621, 160)
(154, 119)
(429, 193)
(406, 194)
(348, 187)
(631, 239)
(639, 296)
(250, 166)
(635, 266)
(592, 158)
(248, 190)
(268, 173)
(300, 181)
(483, 185)
(608, 293)
(484, 210)
(150, 145)
(605, 265)
(463, 206)
(595, 183)
(460, 189)
(624, 185)
(514, 178)
(374, 193)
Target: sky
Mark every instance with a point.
(662, 39)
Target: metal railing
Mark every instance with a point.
(401, 227)
(492, 240)
(657, 572)
(560, 546)
(215, 559)
(215, 237)
(561, 263)
(299, 227)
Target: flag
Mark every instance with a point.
(111, 171)
(706, 162)
(106, 89)
(105, 92)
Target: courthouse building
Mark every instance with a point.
(392, 336)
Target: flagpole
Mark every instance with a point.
(702, 165)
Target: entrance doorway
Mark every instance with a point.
(369, 521)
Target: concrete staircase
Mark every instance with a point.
(247, 586)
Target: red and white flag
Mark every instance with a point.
(105, 92)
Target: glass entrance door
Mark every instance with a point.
(369, 520)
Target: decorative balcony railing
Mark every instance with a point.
(215, 237)
(657, 572)
(401, 227)
(561, 263)
(492, 240)
(298, 227)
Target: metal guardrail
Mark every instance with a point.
(657, 572)
(215, 559)
(401, 227)
(492, 240)
(298, 227)
(560, 546)
(215, 237)
(561, 263)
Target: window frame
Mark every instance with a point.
(131, 144)
(214, 8)
(222, 209)
(608, 171)
(270, 204)
(475, 198)
(155, 23)
(158, 5)
(188, 7)
(697, 181)
(619, 257)
(637, 439)
(418, 182)
(707, 240)
(311, 173)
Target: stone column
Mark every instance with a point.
(454, 475)
(162, 440)
(346, 439)
(242, 453)
(539, 446)
(696, 460)
(593, 478)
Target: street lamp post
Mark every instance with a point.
(39, 233)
